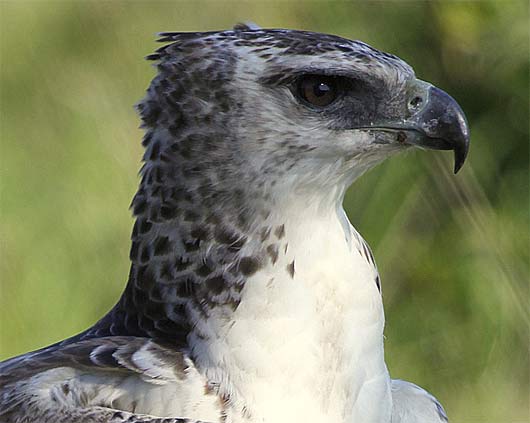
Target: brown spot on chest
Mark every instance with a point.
(249, 265)
(234, 240)
(280, 231)
(65, 388)
(272, 251)
(290, 269)
(265, 233)
(216, 284)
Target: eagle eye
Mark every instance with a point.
(318, 90)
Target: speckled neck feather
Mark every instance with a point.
(197, 205)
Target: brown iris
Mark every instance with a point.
(318, 90)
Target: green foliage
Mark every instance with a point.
(452, 251)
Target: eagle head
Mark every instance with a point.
(274, 111)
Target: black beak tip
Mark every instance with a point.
(460, 158)
(461, 140)
(445, 120)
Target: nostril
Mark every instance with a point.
(415, 103)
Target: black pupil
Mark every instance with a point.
(318, 90)
(321, 89)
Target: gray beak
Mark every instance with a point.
(439, 123)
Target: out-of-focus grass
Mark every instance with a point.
(452, 251)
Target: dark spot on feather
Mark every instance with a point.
(166, 325)
(145, 278)
(199, 233)
(131, 325)
(147, 139)
(215, 284)
(156, 294)
(144, 254)
(238, 287)
(137, 271)
(290, 269)
(186, 288)
(159, 174)
(104, 357)
(162, 245)
(203, 270)
(176, 195)
(166, 197)
(185, 152)
(145, 226)
(213, 219)
(133, 254)
(154, 214)
(208, 389)
(190, 216)
(265, 233)
(249, 265)
(147, 178)
(149, 112)
(440, 411)
(179, 310)
(155, 150)
(168, 213)
(190, 246)
(139, 297)
(65, 388)
(344, 48)
(156, 189)
(139, 205)
(232, 303)
(243, 219)
(166, 271)
(272, 250)
(378, 283)
(199, 334)
(367, 253)
(134, 233)
(234, 240)
(181, 264)
(153, 311)
(280, 231)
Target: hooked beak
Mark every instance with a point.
(436, 122)
(440, 125)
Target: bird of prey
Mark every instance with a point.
(250, 298)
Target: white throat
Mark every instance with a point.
(306, 342)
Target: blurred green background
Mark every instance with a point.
(452, 250)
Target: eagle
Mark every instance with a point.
(250, 298)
